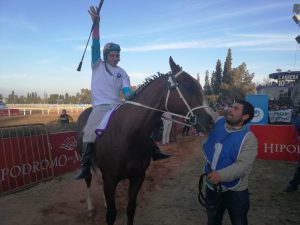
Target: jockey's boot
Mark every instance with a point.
(85, 164)
(157, 154)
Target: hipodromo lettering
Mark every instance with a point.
(273, 148)
(36, 166)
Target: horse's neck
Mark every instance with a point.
(153, 96)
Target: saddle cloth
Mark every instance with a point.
(105, 120)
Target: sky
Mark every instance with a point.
(42, 42)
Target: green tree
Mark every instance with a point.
(213, 82)
(85, 96)
(12, 98)
(217, 78)
(28, 98)
(53, 99)
(206, 87)
(67, 98)
(226, 78)
(22, 99)
(242, 84)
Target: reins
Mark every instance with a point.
(173, 85)
(201, 197)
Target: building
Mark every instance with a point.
(280, 86)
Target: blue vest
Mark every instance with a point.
(222, 148)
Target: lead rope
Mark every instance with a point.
(201, 197)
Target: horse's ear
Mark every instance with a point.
(174, 67)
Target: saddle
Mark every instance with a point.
(105, 120)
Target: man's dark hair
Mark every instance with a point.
(247, 109)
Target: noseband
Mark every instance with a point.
(173, 85)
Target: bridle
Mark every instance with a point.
(173, 85)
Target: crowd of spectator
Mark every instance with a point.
(275, 105)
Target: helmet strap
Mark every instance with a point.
(105, 63)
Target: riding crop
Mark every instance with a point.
(94, 24)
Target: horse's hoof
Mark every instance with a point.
(91, 213)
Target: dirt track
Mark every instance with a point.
(168, 196)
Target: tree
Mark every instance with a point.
(22, 99)
(1, 97)
(85, 96)
(67, 98)
(12, 98)
(226, 78)
(242, 84)
(213, 82)
(217, 78)
(207, 87)
(53, 98)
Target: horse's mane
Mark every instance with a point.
(147, 81)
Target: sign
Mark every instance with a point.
(260, 103)
(281, 116)
(26, 160)
(287, 77)
(277, 142)
(9, 112)
(65, 155)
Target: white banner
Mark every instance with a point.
(283, 116)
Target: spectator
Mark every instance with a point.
(167, 125)
(294, 183)
(65, 118)
(295, 97)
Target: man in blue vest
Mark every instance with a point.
(230, 150)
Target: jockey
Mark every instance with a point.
(108, 79)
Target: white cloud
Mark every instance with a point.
(237, 40)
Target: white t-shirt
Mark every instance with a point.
(106, 88)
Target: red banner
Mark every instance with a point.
(277, 142)
(65, 154)
(25, 160)
(9, 112)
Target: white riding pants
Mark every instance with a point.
(89, 135)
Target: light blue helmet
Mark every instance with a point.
(109, 47)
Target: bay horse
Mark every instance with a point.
(123, 151)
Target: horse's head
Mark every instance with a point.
(186, 97)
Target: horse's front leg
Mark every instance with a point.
(109, 187)
(91, 209)
(135, 183)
